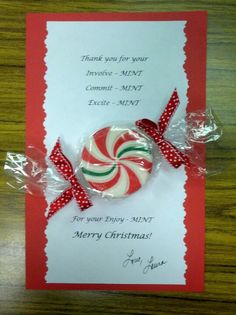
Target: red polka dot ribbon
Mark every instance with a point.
(75, 190)
(156, 131)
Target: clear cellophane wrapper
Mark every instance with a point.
(196, 133)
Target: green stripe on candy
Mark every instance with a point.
(85, 171)
(133, 149)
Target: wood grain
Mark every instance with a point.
(219, 296)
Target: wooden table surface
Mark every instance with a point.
(220, 281)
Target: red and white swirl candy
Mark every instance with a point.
(116, 161)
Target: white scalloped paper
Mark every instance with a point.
(103, 251)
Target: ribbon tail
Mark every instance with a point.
(168, 112)
(60, 202)
(173, 155)
(185, 158)
(81, 197)
(60, 161)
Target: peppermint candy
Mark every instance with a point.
(116, 161)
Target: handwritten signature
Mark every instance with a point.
(149, 264)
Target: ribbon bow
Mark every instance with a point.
(156, 132)
(75, 190)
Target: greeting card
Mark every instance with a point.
(126, 218)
